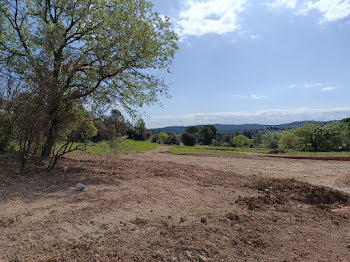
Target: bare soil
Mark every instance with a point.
(162, 207)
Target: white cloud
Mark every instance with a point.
(292, 86)
(331, 10)
(283, 3)
(311, 85)
(328, 88)
(272, 117)
(251, 96)
(321, 86)
(211, 16)
(256, 97)
(254, 36)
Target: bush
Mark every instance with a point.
(155, 138)
(241, 141)
(273, 144)
(207, 134)
(172, 139)
(188, 139)
(289, 141)
(271, 139)
(162, 137)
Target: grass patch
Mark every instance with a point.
(319, 153)
(137, 146)
(126, 146)
(187, 150)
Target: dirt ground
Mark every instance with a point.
(162, 207)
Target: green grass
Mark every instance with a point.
(126, 146)
(187, 150)
(319, 153)
(138, 146)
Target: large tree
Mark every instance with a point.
(79, 51)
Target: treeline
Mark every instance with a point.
(334, 136)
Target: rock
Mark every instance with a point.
(80, 187)
(202, 258)
(188, 254)
(348, 246)
(203, 220)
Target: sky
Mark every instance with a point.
(256, 61)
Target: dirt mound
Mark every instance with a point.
(303, 192)
(281, 191)
(343, 180)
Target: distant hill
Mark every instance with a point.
(230, 129)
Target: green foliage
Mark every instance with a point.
(273, 144)
(314, 137)
(241, 141)
(289, 141)
(346, 132)
(271, 140)
(207, 134)
(192, 130)
(257, 140)
(172, 139)
(188, 139)
(162, 137)
(74, 51)
(138, 132)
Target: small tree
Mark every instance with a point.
(241, 141)
(289, 141)
(271, 139)
(188, 139)
(257, 140)
(141, 131)
(172, 139)
(162, 137)
(192, 130)
(207, 134)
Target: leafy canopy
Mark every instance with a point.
(76, 49)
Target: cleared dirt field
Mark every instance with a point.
(162, 207)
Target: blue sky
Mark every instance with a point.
(256, 61)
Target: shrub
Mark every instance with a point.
(289, 141)
(155, 138)
(172, 139)
(207, 134)
(188, 139)
(271, 139)
(192, 130)
(241, 141)
(162, 137)
(273, 144)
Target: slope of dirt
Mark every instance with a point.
(143, 208)
(342, 180)
(307, 170)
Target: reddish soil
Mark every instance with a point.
(162, 207)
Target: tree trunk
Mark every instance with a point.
(50, 139)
